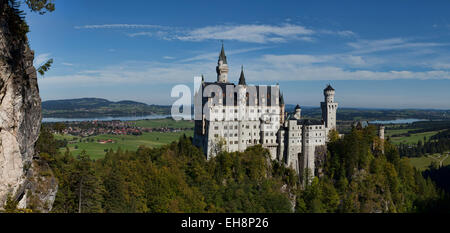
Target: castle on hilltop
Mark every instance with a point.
(232, 117)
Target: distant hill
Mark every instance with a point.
(97, 107)
(351, 114)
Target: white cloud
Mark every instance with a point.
(67, 64)
(169, 57)
(370, 46)
(119, 26)
(270, 68)
(252, 33)
(249, 33)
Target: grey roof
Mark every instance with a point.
(259, 90)
(362, 124)
(297, 107)
(329, 88)
(222, 56)
(242, 77)
(310, 122)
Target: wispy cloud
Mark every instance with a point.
(370, 46)
(119, 26)
(250, 33)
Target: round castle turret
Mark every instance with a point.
(329, 108)
(298, 112)
(329, 94)
(381, 132)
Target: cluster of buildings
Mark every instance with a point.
(115, 127)
(233, 117)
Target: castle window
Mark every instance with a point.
(216, 127)
(236, 142)
(216, 135)
(225, 135)
(225, 127)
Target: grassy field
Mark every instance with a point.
(412, 139)
(390, 132)
(424, 162)
(125, 142)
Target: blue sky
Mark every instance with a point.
(382, 54)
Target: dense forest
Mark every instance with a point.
(355, 176)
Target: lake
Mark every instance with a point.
(397, 121)
(123, 118)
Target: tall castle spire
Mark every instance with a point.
(222, 56)
(242, 77)
(222, 67)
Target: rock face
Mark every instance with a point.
(20, 112)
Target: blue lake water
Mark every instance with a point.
(123, 118)
(397, 121)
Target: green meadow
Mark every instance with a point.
(125, 142)
(422, 163)
(412, 139)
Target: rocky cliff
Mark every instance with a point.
(20, 118)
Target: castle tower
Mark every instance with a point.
(242, 103)
(381, 132)
(282, 109)
(222, 67)
(329, 108)
(298, 112)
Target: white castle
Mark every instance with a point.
(234, 117)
